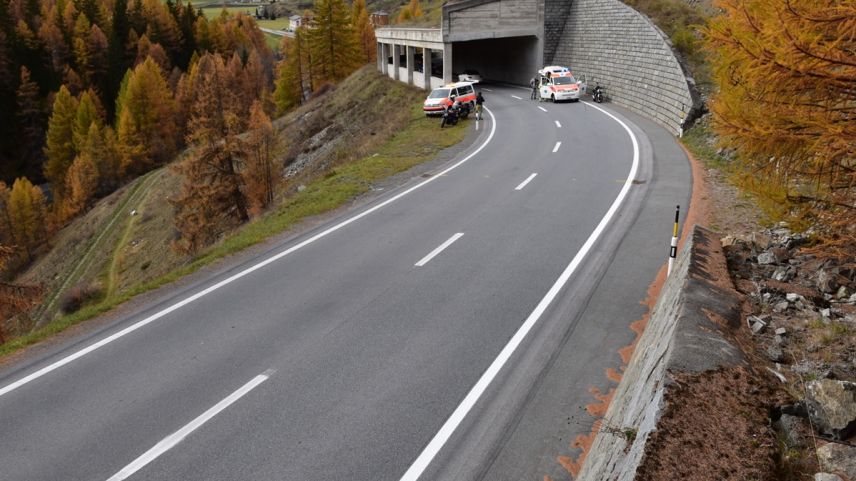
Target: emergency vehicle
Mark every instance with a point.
(441, 98)
(557, 83)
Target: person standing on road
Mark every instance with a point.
(479, 102)
(533, 84)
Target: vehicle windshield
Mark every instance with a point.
(564, 80)
(439, 94)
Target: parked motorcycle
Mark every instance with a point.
(597, 94)
(453, 113)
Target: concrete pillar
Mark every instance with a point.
(385, 62)
(380, 58)
(410, 52)
(447, 62)
(396, 61)
(426, 68)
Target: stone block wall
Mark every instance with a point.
(555, 18)
(610, 43)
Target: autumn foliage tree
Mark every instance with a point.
(333, 41)
(260, 171)
(26, 212)
(364, 30)
(787, 101)
(412, 11)
(14, 298)
(59, 149)
(212, 196)
(295, 72)
(146, 126)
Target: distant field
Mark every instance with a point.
(280, 23)
(273, 41)
(214, 11)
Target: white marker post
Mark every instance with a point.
(673, 250)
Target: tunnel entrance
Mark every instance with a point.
(508, 59)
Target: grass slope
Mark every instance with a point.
(347, 140)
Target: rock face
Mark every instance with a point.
(792, 430)
(832, 407)
(827, 477)
(838, 458)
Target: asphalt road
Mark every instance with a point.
(439, 311)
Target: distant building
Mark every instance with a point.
(294, 22)
(379, 19)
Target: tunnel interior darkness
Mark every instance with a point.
(510, 59)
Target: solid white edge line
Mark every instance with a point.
(427, 455)
(556, 148)
(518, 98)
(439, 249)
(523, 184)
(173, 439)
(62, 362)
(559, 125)
(542, 108)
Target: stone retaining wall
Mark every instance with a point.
(681, 336)
(556, 14)
(610, 43)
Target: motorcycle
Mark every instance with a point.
(453, 114)
(597, 94)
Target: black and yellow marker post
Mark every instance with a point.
(673, 250)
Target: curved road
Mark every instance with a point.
(342, 353)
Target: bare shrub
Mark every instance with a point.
(79, 295)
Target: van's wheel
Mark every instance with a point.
(553, 98)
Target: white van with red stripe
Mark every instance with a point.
(441, 98)
(556, 83)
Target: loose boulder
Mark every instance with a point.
(838, 458)
(832, 407)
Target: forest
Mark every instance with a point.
(94, 93)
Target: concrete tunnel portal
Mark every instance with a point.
(501, 39)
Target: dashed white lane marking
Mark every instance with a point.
(542, 108)
(559, 125)
(523, 184)
(556, 148)
(516, 97)
(173, 439)
(439, 440)
(487, 90)
(439, 249)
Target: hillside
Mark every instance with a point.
(334, 148)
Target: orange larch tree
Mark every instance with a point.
(786, 72)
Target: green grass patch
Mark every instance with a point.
(216, 11)
(698, 140)
(418, 141)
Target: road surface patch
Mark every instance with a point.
(420, 464)
(173, 439)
